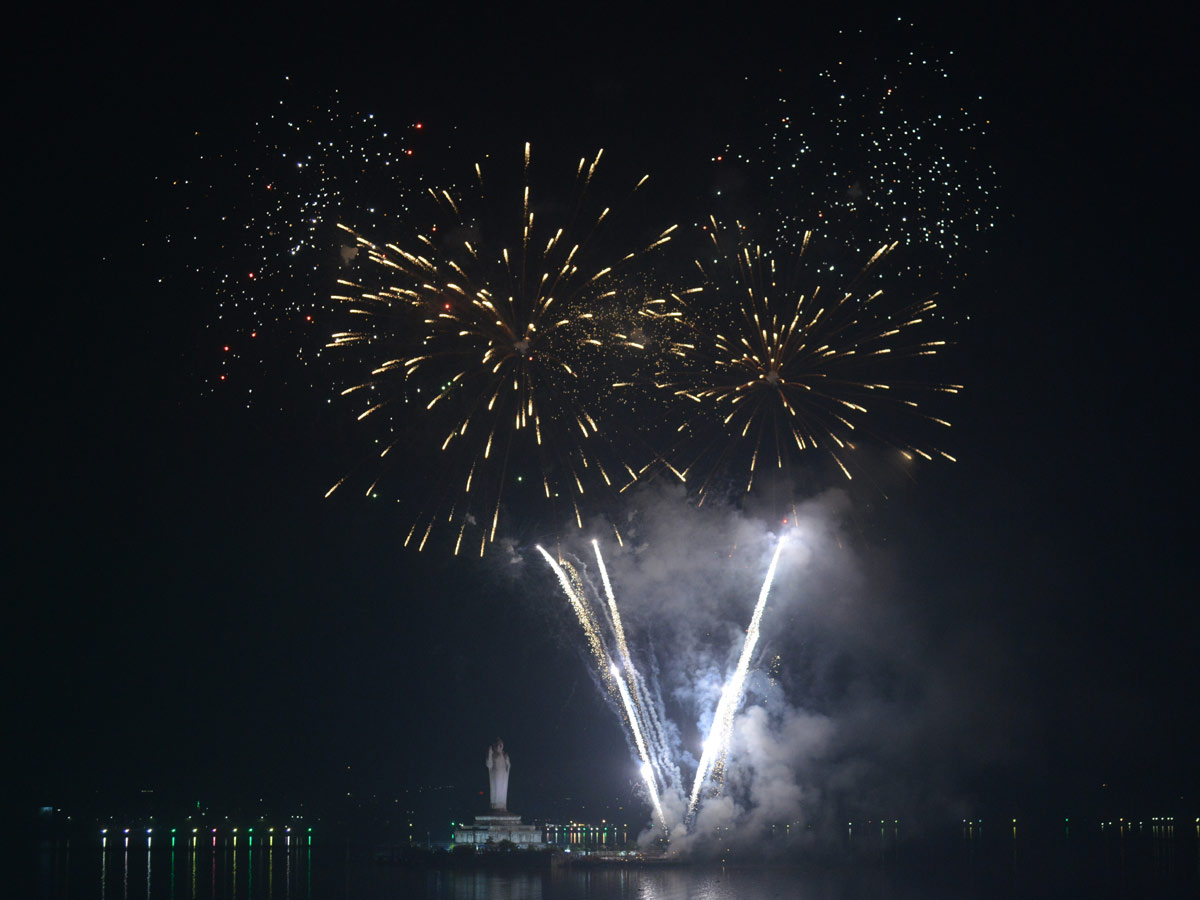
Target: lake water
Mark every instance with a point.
(1137, 865)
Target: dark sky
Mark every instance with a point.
(188, 614)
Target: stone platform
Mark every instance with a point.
(500, 825)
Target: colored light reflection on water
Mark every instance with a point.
(224, 872)
(998, 858)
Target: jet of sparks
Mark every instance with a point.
(626, 681)
(717, 744)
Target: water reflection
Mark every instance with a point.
(1005, 859)
(620, 883)
(487, 886)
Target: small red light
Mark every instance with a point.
(254, 334)
(226, 348)
(222, 377)
(418, 125)
(308, 318)
(251, 275)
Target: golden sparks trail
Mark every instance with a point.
(610, 672)
(574, 591)
(636, 711)
(618, 628)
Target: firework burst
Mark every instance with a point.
(486, 323)
(787, 360)
(250, 225)
(873, 150)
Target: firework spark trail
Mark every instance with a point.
(579, 605)
(647, 769)
(656, 739)
(643, 713)
(630, 671)
(636, 697)
(618, 628)
(587, 620)
(717, 743)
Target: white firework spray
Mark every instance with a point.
(647, 767)
(638, 702)
(717, 744)
(584, 615)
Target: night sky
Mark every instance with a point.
(188, 614)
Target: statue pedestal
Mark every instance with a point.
(499, 825)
